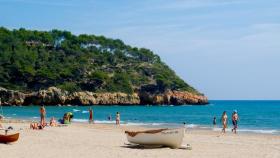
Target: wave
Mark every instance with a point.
(84, 112)
(80, 120)
(95, 121)
(143, 124)
(260, 131)
(76, 110)
(192, 126)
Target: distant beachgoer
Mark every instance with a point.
(43, 115)
(214, 121)
(185, 124)
(109, 117)
(67, 118)
(0, 121)
(235, 119)
(70, 116)
(36, 126)
(90, 115)
(53, 122)
(118, 118)
(224, 121)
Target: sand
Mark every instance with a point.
(102, 141)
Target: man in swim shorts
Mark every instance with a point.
(234, 121)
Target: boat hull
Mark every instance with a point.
(171, 138)
(9, 138)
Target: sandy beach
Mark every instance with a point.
(99, 140)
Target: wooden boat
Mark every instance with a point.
(162, 137)
(9, 138)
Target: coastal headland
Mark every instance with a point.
(59, 68)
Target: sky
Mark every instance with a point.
(226, 49)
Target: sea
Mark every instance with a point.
(255, 116)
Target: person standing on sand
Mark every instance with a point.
(224, 121)
(118, 118)
(43, 115)
(234, 118)
(90, 115)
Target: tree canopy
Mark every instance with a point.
(33, 60)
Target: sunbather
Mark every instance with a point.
(53, 122)
(36, 125)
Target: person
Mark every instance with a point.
(43, 115)
(224, 121)
(36, 126)
(70, 116)
(66, 118)
(214, 121)
(234, 118)
(0, 122)
(109, 117)
(90, 115)
(53, 122)
(118, 118)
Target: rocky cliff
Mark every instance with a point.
(56, 96)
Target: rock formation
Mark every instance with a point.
(56, 96)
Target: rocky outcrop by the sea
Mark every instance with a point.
(56, 96)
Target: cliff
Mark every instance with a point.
(56, 96)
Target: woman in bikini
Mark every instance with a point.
(224, 121)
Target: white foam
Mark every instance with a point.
(259, 131)
(35, 117)
(105, 121)
(76, 110)
(84, 112)
(80, 120)
(144, 124)
(191, 126)
(95, 121)
(250, 130)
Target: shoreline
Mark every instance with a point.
(188, 127)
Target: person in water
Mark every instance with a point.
(109, 117)
(234, 119)
(118, 118)
(43, 115)
(214, 121)
(90, 120)
(224, 121)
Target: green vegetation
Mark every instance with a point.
(33, 60)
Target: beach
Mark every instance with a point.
(107, 140)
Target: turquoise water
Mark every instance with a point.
(255, 116)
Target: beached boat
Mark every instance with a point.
(161, 137)
(9, 138)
